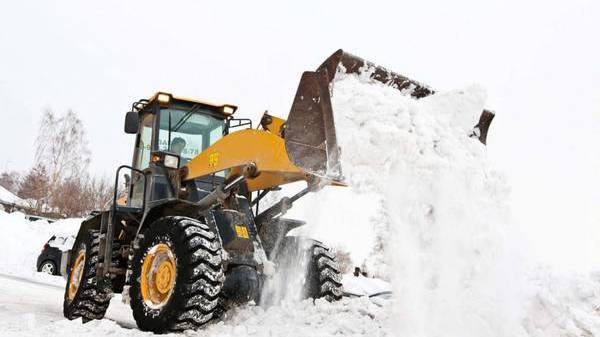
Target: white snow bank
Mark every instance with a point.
(364, 286)
(22, 241)
(437, 213)
(436, 219)
(8, 197)
(563, 304)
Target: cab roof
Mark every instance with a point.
(220, 107)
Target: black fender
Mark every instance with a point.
(90, 223)
(272, 232)
(169, 207)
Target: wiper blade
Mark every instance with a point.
(185, 118)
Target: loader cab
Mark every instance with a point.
(175, 126)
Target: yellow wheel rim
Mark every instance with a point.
(157, 279)
(76, 274)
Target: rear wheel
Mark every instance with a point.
(82, 298)
(324, 279)
(322, 272)
(177, 275)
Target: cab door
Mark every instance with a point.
(141, 160)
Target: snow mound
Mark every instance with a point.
(22, 241)
(425, 210)
(8, 197)
(435, 212)
(563, 304)
(364, 286)
(442, 211)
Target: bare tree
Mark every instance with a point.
(61, 147)
(11, 181)
(35, 188)
(59, 182)
(98, 193)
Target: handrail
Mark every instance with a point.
(114, 205)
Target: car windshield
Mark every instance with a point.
(188, 132)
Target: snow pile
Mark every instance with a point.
(563, 304)
(421, 193)
(364, 286)
(425, 211)
(349, 317)
(22, 241)
(8, 197)
(287, 284)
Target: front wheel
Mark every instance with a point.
(82, 298)
(176, 275)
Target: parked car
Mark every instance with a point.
(36, 218)
(53, 255)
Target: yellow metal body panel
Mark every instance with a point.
(235, 151)
(275, 125)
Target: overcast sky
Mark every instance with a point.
(539, 61)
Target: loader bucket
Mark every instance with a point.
(343, 61)
(310, 136)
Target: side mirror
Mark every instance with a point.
(132, 122)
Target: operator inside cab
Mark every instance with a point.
(177, 146)
(187, 132)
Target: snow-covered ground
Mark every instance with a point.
(424, 210)
(31, 309)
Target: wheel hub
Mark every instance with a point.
(76, 274)
(48, 268)
(164, 275)
(157, 279)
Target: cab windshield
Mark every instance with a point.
(188, 132)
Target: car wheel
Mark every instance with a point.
(48, 267)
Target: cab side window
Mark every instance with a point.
(144, 142)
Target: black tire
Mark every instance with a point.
(118, 281)
(88, 303)
(51, 265)
(323, 276)
(198, 278)
(324, 279)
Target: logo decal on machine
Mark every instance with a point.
(213, 159)
(242, 231)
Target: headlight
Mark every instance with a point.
(171, 161)
(228, 109)
(163, 99)
(165, 159)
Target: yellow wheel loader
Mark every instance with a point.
(189, 240)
